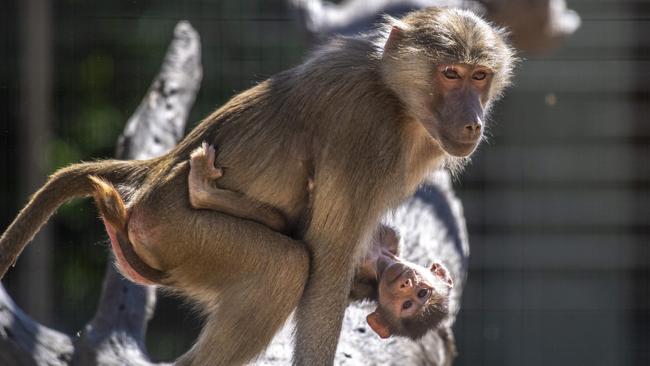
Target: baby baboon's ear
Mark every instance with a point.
(378, 324)
(441, 272)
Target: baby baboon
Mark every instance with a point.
(411, 300)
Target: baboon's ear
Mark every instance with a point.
(394, 39)
(441, 272)
(378, 324)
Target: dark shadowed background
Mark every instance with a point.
(557, 201)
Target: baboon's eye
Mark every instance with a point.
(479, 75)
(407, 304)
(451, 74)
(422, 293)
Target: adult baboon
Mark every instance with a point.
(366, 117)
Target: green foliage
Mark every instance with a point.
(97, 126)
(96, 71)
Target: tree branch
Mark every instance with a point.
(536, 26)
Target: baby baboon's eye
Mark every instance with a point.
(422, 293)
(407, 304)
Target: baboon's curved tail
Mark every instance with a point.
(63, 185)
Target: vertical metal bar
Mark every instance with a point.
(34, 135)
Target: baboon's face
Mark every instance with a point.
(454, 110)
(448, 67)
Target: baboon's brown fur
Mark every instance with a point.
(367, 117)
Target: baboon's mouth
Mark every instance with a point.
(458, 147)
